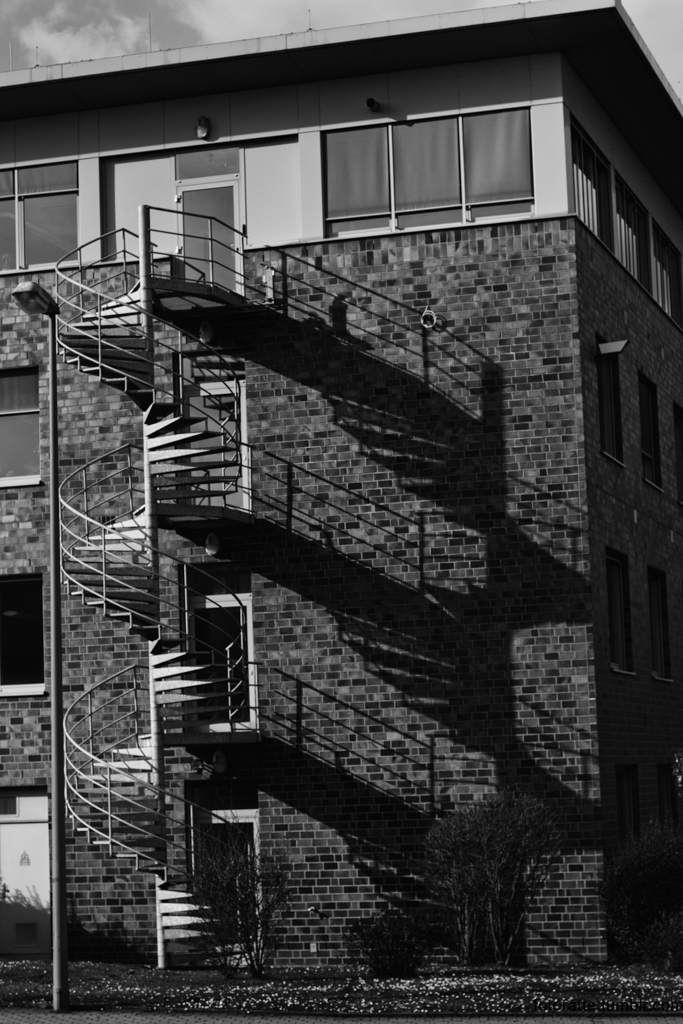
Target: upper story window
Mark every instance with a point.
(610, 406)
(21, 635)
(649, 431)
(19, 427)
(38, 214)
(632, 245)
(619, 611)
(428, 172)
(592, 191)
(666, 285)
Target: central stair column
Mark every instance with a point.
(152, 536)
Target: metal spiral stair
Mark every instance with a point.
(132, 320)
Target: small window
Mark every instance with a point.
(592, 193)
(632, 247)
(649, 431)
(619, 612)
(667, 796)
(667, 278)
(19, 427)
(610, 406)
(628, 802)
(8, 806)
(21, 635)
(659, 625)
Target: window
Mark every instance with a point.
(649, 431)
(428, 172)
(667, 278)
(592, 192)
(678, 443)
(38, 214)
(659, 626)
(610, 406)
(628, 803)
(632, 245)
(667, 796)
(21, 635)
(19, 434)
(618, 610)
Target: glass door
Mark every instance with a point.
(211, 245)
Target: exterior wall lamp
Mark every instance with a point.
(202, 127)
(372, 104)
(35, 300)
(612, 348)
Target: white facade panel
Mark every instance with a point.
(273, 193)
(551, 169)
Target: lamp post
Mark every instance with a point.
(34, 299)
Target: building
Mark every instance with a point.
(371, 441)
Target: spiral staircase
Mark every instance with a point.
(140, 319)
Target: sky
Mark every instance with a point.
(54, 31)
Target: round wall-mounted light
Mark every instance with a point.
(202, 127)
(219, 762)
(212, 544)
(372, 104)
(206, 332)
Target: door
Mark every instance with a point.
(211, 246)
(24, 874)
(221, 631)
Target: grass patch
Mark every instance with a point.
(112, 986)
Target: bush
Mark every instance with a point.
(663, 945)
(240, 895)
(642, 894)
(487, 862)
(392, 943)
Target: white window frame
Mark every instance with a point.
(197, 601)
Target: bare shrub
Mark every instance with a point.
(487, 862)
(240, 896)
(392, 943)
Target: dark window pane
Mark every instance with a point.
(649, 431)
(426, 164)
(497, 156)
(8, 235)
(50, 178)
(656, 582)
(8, 805)
(628, 802)
(49, 227)
(678, 440)
(610, 407)
(357, 170)
(203, 163)
(668, 797)
(21, 632)
(618, 611)
(632, 246)
(667, 277)
(18, 390)
(6, 183)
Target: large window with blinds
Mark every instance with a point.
(666, 283)
(38, 214)
(19, 427)
(632, 243)
(592, 188)
(428, 172)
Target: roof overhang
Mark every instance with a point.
(596, 36)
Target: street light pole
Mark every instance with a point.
(33, 298)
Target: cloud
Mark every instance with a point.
(216, 20)
(62, 35)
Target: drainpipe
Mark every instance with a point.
(152, 537)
